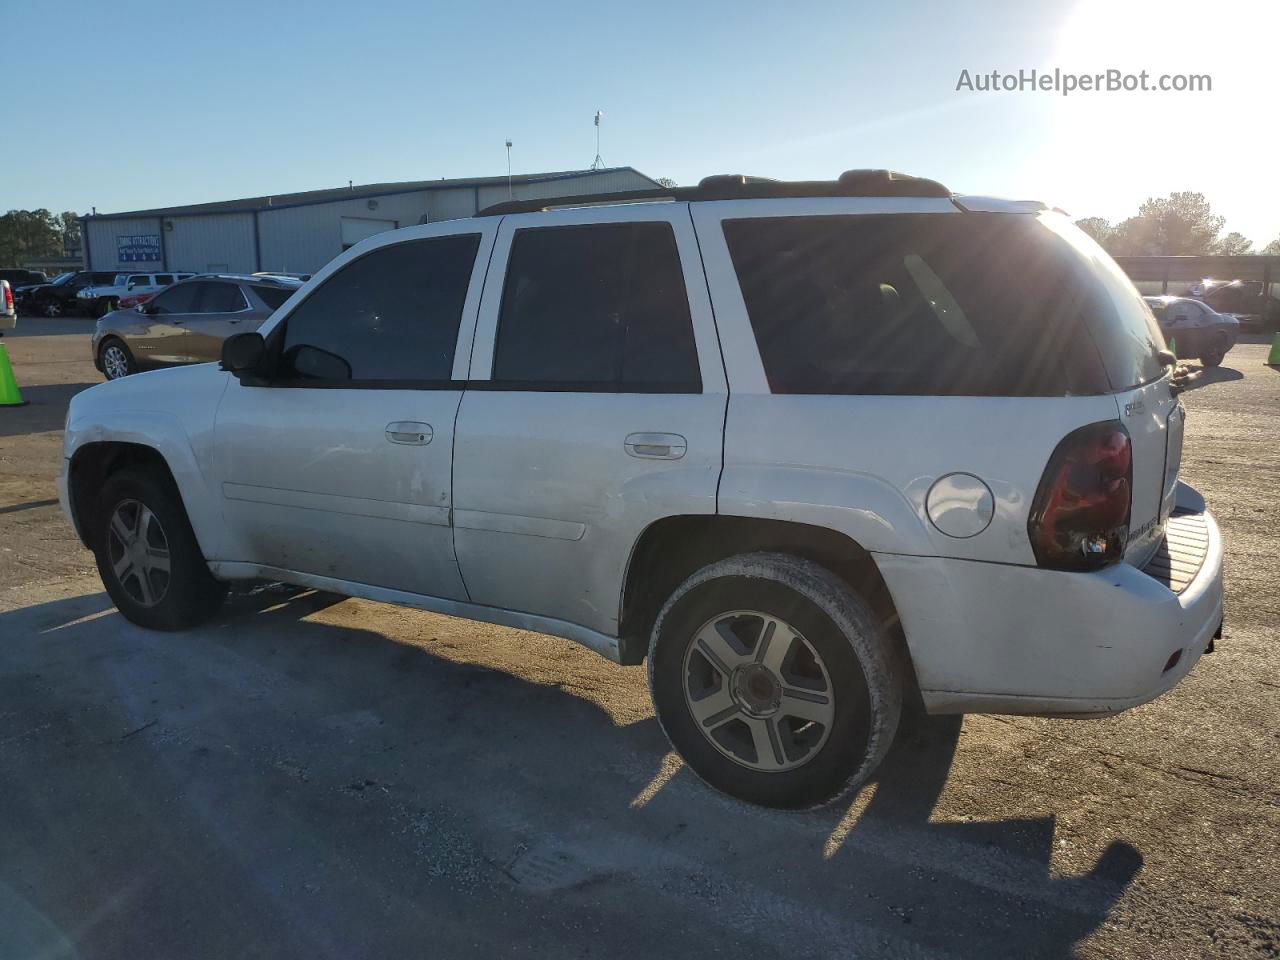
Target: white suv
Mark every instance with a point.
(103, 298)
(812, 449)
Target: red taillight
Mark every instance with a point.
(1080, 516)
(8, 298)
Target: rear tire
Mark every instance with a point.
(147, 554)
(794, 724)
(1215, 355)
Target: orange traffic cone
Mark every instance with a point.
(9, 395)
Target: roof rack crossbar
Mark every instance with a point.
(851, 183)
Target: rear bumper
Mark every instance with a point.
(8, 321)
(989, 638)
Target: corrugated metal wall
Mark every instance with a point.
(209, 244)
(303, 239)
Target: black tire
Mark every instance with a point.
(865, 676)
(112, 343)
(189, 594)
(52, 308)
(1215, 354)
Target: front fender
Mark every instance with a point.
(129, 411)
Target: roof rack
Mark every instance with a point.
(851, 183)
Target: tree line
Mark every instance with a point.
(36, 235)
(1181, 224)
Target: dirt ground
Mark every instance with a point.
(309, 776)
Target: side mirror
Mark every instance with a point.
(1166, 358)
(149, 309)
(243, 356)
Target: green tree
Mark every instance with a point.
(1181, 224)
(70, 230)
(1272, 249)
(1234, 244)
(26, 234)
(665, 182)
(1099, 228)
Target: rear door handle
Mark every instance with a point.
(655, 446)
(409, 431)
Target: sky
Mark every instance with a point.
(141, 104)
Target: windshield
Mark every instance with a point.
(61, 278)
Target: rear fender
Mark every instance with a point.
(864, 508)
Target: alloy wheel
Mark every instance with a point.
(758, 691)
(138, 552)
(115, 363)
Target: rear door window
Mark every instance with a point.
(923, 304)
(222, 298)
(596, 308)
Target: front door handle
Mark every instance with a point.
(409, 431)
(655, 446)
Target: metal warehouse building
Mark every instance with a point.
(301, 232)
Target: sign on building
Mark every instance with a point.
(142, 248)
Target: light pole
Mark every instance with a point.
(510, 194)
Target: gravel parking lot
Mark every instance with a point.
(314, 776)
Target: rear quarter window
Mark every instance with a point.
(967, 304)
(917, 304)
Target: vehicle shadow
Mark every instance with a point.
(1207, 376)
(45, 409)
(290, 775)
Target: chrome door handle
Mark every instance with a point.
(655, 446)
(409, 431)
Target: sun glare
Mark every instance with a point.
(1160, 141)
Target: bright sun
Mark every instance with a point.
(1162, 141)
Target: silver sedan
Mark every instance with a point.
(186, 322)
(1197, 329)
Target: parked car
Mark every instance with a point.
(1257, 311)
(59, 296)
(23, 278)
(100, 299)
(1200, 331)
(185, 323)
(135, 299)
(798, 448)
(8, 314)
(284, 276)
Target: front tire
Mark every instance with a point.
(774, 681)
(53, 308)
(147, 554)
(115, 359)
